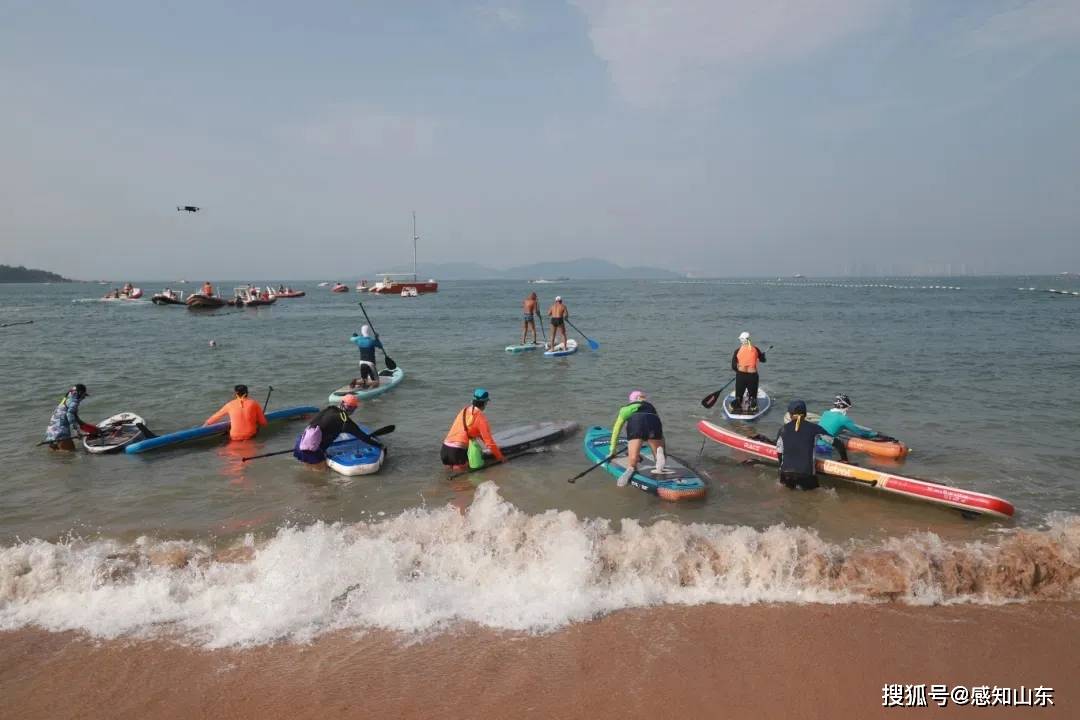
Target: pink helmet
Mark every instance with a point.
(637, 395)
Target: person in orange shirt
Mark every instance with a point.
(469, 424)
(744, 361)
(245, 415)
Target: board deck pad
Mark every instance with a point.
(524, 348)
(764, 403)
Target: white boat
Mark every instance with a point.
(362, 286)
(389, 286)
(323, 284)
(409, 291)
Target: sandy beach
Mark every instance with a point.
(762, 661)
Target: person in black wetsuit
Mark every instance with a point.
(795, 448)
(311, 444)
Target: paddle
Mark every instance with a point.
(386, 358)
(593, 345)
(267, 400)
(508, 458)
(609, 458)
(385, 430)
(709, 400)
(539, 321)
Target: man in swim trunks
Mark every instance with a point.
(469, 424)
(529, 309)
(64, 425)
(366, 342)
(321, 432)
(245, 415)
(558, 314)
(642, 425)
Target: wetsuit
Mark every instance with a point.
(330, 423)
(795, 447)
(469, 424)
(245, 418)
(642, 423)
(65, 419)
(744, 362)
(367, 347)
(836, 422)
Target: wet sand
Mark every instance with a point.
(779, 661)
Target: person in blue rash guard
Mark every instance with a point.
(366, 341)
(65, 424)
(795, 449)
(642, 425)
(836, 421)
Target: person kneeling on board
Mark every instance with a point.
(468, 425)
(642, 425)
(366, 341)
(321, 432)
(836, 421)
(245, 415)
(795, 448)
(64, 425)
(744, 361)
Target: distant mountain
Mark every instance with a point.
(20, 274)
(583, 269)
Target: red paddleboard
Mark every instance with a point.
(964, 500)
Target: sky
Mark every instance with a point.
(719, 137)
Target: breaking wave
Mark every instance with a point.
(499, 567)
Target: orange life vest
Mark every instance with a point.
(747, 358)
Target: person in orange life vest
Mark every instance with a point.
(744, 361)
(469, 424)
(245, 415)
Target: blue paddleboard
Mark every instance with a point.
(203, 431)
(350, 456)
(681, 484)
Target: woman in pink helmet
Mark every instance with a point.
(642, 425)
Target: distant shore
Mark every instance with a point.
(20, 274)
(711, 661)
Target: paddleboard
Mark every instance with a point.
(203, 431)
(764, 402)
(889, 449)
(523, 437)
(966, 501)
(561, 351)
(350, 456)
(388, 380)
(682, 484)
(117, 432)
(524, 348)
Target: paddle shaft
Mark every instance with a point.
(266, 402)
(609, 458)
(390, 364)
(592, 343)
(508, 458)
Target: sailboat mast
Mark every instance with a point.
(414, 239)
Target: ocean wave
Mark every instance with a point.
(494, 565)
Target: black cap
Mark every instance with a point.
(241, 390)
(796, 407)
(81, 390)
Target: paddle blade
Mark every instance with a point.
(390, 364)
(593, 345)
(385, 430)
(709, 400)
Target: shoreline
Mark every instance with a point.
(757, 661)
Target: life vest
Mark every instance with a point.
(747, 358)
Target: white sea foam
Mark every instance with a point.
(499, 567)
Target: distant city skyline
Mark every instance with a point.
(826, 137)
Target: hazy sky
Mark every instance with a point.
(717, 136)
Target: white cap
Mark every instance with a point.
(558, 298)
(366, 331)
(744, 335)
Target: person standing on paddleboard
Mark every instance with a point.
(320, 433)
(64, 425)
(642, 425)
(469, 425)
(836, 421)
(795, 449)
(530, 308)
(366, 342)
(558, 314)
(245, 415)
(744, 361)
